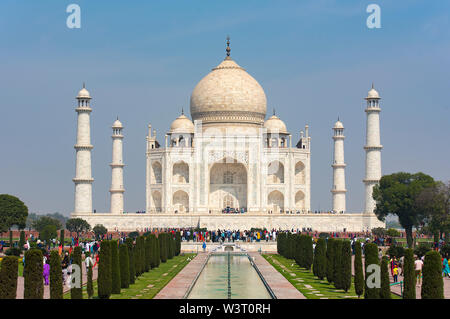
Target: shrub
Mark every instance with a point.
(330, 259)
(124, 266)
(320, 258)
(56, 284)
(152, 251)
(371, 258)
(392, 232)
(359, 276)
(32, 272)
(396, 251)
(104, 280)
(385, 289)
(314, 266)
(178, 243)
(8, 277)
(324, 235)
(148, 253)
(337, 276)
(298, 253)
(77, 293)
(163, 247)
(346, 265)
(409, 279)
(90, 285)
(115, 268)
(130, 246)
(422, 249)
(133, 234)
(142, 254)
(433, 283)
(13, 251)
(171, 246)
(308, 252)
(157, 252)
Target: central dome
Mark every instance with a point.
(228, 94)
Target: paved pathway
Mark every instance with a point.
(20, 284)
(178, 286)
(280, 286)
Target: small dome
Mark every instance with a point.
(83, 94)
(338, 124)
(373, 94)
(117, 124)
(182, 124)
(275, 125)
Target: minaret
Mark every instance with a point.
(83, 174)
(372, 148)
(338, 165)
(117, 165)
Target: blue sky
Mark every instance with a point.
(140, 60)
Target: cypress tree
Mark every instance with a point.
(152, 251)
(337, 276)
(371, 258)
(330, 259)
(124, 266)
(8, 277)
(32, 272)
(346, 265)
(77, 293)
(171, 251)
(320, 258)
(409, 275)
(22, 239)
(115, 268)
(148, 253)
(142, 250)
(61, 237)
(157, 252)
(359, 275)
(297, 254)
(104, 281)
(308, 252)
(162, 247)
(132, 275)
(56, 284)
(314, 267)
(432, 283)
(385, 289)
(178, 243)
(136, 255)
(90, 285)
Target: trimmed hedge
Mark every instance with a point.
(124, 266)
(163, 246)
(56, 284)
(8, 277)
(330, 259)
(432, 283)
(104, 280)
(359, 275)
(371, 258)
(385, 291)
(77, 293)
(157, 252)
(32, 272)
(148, 253)
(337, 265)
(115, 268)
(320, 258)
(22, 241)
(130, 246)
(346, 265)
(90, 285)
(177, 243)
(409, 275)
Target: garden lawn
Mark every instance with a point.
(305, 281)
(149, 283)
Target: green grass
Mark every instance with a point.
(157, 277)
(299, 277)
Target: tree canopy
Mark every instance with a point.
(396, 194)
(43, 221)
(13, 212)
(100, 230)
(77, 225)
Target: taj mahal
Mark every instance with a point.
(227, 167)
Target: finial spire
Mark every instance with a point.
(273, 111)
(117, 117)
(182, 111)
(372, 85)
(228, 46)
(338, 118)
(84, 85)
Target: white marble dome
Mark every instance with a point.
(275, 125)
(228, 94)
(338, 125)
(373, 94)
(83, 94)
(182, 124)
(117, 124)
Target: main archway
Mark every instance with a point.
(227, 185)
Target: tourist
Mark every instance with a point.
(64, 265)
(46, 273)
(445, 267)
(204, 246)
(395, 273)
(418, 264)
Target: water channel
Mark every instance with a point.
(229, 276)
